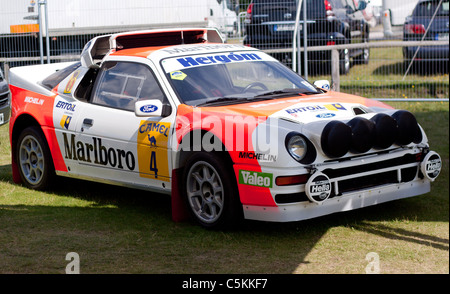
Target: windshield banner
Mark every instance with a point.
(180, 63)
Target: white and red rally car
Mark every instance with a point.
(225, 129)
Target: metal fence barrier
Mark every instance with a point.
(380, 71)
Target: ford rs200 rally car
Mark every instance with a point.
(225, 129)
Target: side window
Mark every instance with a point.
(121, 84)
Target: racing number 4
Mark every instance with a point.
(153, 166)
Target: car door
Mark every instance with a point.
(111, 142)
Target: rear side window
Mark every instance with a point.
(121, 84)
(314, 9)
(428, 8)
(54, 79)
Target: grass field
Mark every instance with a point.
(118, 230)
(383, 78)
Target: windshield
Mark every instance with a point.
(237, 77)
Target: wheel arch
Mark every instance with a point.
(183, 155)
(20, 123)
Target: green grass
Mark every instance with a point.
(383, 78)
(118, 230)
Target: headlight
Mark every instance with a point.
(297, 147)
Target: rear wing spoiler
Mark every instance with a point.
(98, 47)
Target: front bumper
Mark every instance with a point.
(349, 201)
(427, 53)
(356, 183)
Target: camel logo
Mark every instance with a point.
(65, 121)
(152, 140)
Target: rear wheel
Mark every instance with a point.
(34, 159)
(210, 191)
(365, 54)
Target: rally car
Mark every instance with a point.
(227, 130)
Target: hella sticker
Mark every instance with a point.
(431, 165)
(318, 187)
(149, 108)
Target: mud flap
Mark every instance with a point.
(179, 210)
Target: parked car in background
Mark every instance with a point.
(269, 24)
(5, 105)
(428, 58)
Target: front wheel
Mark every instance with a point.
(34, 159)
(210, 191)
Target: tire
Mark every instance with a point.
(34, 159)
(364, 57)
(210, 191)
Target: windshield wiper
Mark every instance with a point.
(284, 92)
(266, 95)
(221, 99)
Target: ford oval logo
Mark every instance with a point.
(325, 115)
(149, 108)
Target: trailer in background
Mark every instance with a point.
(71, 24)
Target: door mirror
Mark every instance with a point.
(322, 84)
(152, 108)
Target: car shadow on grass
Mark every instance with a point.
(418, 68)
(122, 230)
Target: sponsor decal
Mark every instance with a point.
(212, 59)
(98, 154)
(177, 64)
(33, 100)
(325, 115)
(152, 142)
(178, 75)
(149, 108)
(65, 106)
(431, 165)
(334, 106)
(184, 49)
(313, 108)
(65, 121)
(258, 156)
(318, 187)
(257, 179)
(154, 127)
(71, 82)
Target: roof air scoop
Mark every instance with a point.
(97, 48)
(94, 51)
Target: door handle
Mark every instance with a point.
(88, 122)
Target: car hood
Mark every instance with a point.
(303, 109)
